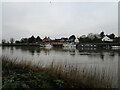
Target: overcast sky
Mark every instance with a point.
(58, 19)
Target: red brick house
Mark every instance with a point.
(46, 39)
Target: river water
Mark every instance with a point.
(101, 59)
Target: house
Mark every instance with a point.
(76, 40)
(107, 39)
(64, 39)
(57, 40)
(46, 39)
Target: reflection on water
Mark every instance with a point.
(83, 52)
(61, 55)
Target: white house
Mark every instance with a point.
(76, 40)
(107, 39)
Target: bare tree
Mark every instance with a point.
(3, 41)
(12, 40)
(102, 34)
(91, 36)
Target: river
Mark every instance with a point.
(101, 59)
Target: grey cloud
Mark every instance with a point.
(58, 19)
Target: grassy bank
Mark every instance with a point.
(26, 75)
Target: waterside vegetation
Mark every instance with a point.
(25, 74)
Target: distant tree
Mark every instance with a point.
(97, 36)
(3, 41)
(111, 36)
(31, 39)
(72, 38)
(83, 39)
(17, 41)
(8, 42)
(102, 34)
(12, 40)
(38, 39)
(91, 36)
(24, 40)
(83, 36)
(97, 39)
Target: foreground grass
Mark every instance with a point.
(26, 75)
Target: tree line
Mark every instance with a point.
(90, 38)
(31, 39)
(95, 38)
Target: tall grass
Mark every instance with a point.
(84, 76)
(74, 75)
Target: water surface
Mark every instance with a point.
(100, 59)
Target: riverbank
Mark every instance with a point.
(26, 75)
(61, 44)
(19, 44)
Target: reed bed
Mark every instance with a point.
(84, 76)
(54, 75)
